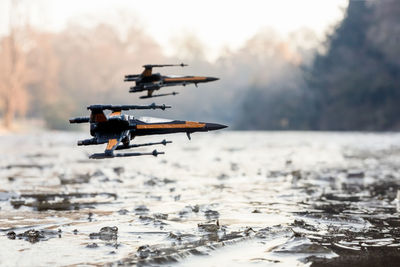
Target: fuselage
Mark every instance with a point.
(137, 127)
(156, 81)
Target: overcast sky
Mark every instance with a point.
(217, 24)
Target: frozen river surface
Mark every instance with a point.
(230, 198)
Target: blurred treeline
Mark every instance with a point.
(353, 85)
(56, 75)
(351, 82)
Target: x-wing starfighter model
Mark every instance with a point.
(118, 129)
(149, 81)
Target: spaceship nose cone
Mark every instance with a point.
(211, 79)
(214, 126)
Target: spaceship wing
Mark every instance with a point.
(148, 69)
(150, 93)
(115, 114)
(113, 143)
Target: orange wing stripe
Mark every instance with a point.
(147, 72)
(188, 124)
(116, 113)
(111, 144)
(185, 79)
(100, 117)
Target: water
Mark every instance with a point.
(227, 198)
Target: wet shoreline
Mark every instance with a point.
(329, 199)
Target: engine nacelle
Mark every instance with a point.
(88, 142)
(79, 120)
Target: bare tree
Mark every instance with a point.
(13, 77)
(12, 80)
